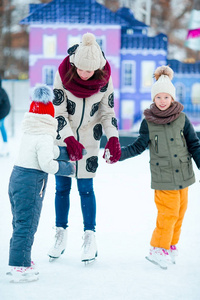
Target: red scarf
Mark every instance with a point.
(82, 88)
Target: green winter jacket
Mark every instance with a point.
(170, 161)
(171, 147)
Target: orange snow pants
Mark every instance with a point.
(171, 207)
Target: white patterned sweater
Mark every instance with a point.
(86, 119)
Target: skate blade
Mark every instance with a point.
(89, 261)
(156, 263)
(4, 155)
(52, 258)
(172, 261)
(24, 279)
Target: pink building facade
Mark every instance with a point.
(48, 46)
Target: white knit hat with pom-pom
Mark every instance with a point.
(88, 56)
(163, 84)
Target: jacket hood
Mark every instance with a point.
(39, 124)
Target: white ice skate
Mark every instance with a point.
(89, 247)
(4, 151)
(173, 252)
(59, 245)
(23, 274)
(159, 256)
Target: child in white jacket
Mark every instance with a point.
(37, 157)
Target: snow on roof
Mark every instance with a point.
(79, 11)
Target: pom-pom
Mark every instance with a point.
(88, 39)
(164, 70)
(42, 93)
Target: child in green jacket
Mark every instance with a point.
(172, 142)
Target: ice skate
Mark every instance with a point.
(89, 247)
(23, 274)
(4, 151)
(159, 256)
(173, 252)
(59, 246)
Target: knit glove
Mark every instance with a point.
(65, 168)
(74, 148)
(112, 151)
(63, 154)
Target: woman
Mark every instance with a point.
(84, 106)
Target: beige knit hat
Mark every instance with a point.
(88, 55)
(163, 84)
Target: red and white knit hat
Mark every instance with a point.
(42, 98)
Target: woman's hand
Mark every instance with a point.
(112, 151)
(74, 148)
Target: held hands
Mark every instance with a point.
(65, 168)
(112, 151)
(74, 148)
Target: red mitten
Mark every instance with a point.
(112, 151)
(74, 148)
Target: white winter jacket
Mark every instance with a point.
(85, 119)
(37, 149)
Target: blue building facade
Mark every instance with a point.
(140, 56)
(187, 83)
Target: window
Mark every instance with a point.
(180, 92)
(49, 45)
(195, 94)
(101, 41)
(48, 75)
(73, 40)
(127, 107)
(128, 75)
(147, 68)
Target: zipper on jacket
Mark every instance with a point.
(83, 112)
(156, 143)
(182, 137)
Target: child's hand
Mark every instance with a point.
(65, 168)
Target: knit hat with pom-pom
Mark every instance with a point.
(42, 97)
(163, 84)
(88, 55)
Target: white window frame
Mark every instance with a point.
(73, 40)
(125, 87)
(102, 44)
(195, 95)
(147, 79)
(182, 86)
(49, 45)
(46, 69)
(127, 109)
